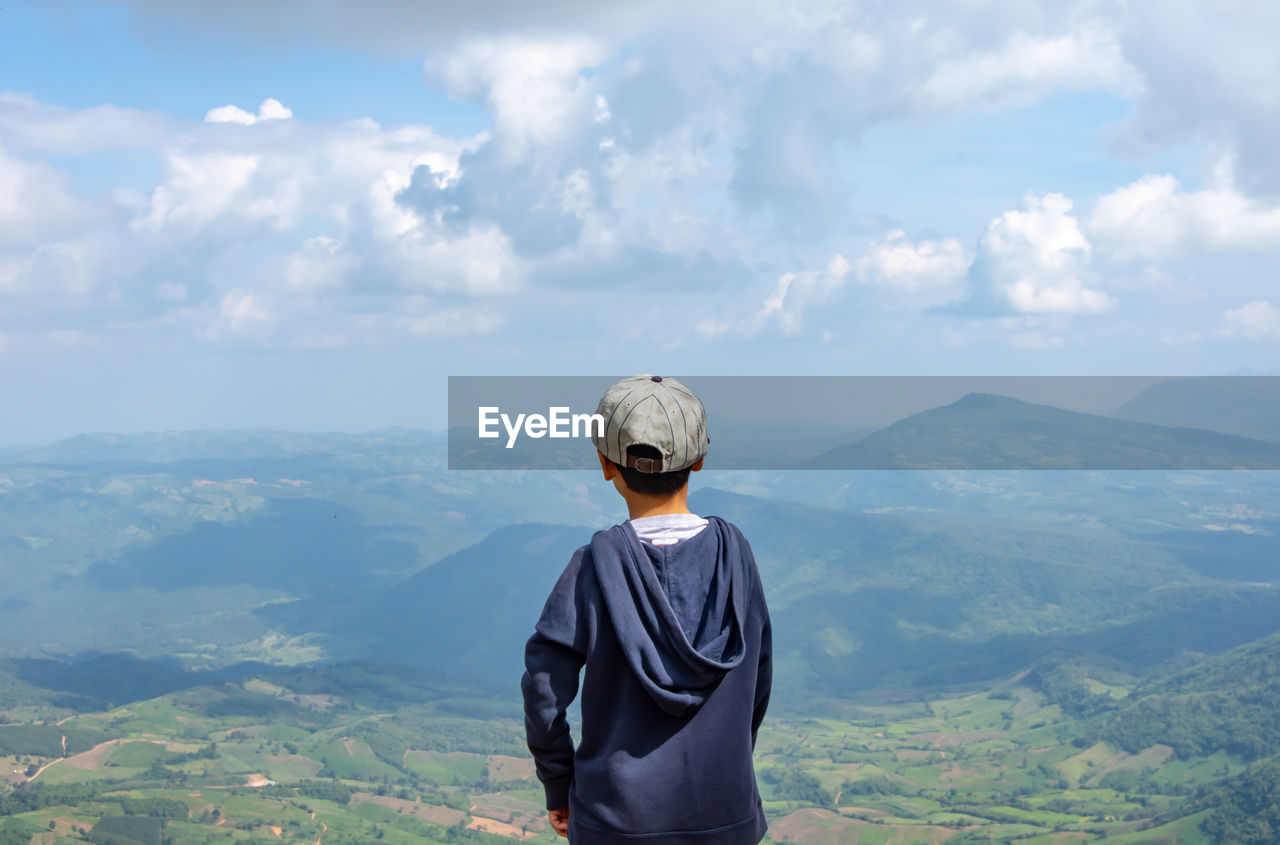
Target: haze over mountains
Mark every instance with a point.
(222, 546)
(960, 653)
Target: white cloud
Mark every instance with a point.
(1209, 72)
(479, 262)
(782, 310)
(320, 265)
(1027, 67)
(349, 176)
(69, 270)
(230, 114)
(421, 253)
(1036, 259)
(1022, 331)
(55, 246)
(602, 113)
(1254, 320)
(452, 322)
(923, 272)
(29, 125)
(37, 203)
(199, 188)
(710, 141)
(534, 87)
(793, 293)
(216, 243)
(1155, 217)
(271, 109)
(652, 197)
(710, 327)
(241, 310)
(1195, 71)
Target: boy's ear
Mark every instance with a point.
(607, 465)
(696, 465)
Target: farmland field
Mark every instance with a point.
(996, 764)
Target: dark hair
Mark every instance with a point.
(651, 483)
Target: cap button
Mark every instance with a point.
(656, 378)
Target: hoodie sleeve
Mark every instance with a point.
(553, 658)
(764, 674)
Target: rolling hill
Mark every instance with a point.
(859, 600)
(1247, 406)
(985, 431)
(367, 549)
(467, 615)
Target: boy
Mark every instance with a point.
(667, 614)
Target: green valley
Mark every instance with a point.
(261, 637)
(359, 753)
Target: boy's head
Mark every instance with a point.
(655, 433)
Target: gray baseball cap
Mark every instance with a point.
(655, 411)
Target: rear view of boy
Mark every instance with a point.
(667, 614)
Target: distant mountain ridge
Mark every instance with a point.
(859, 600)
(1247, 406)
(469, 614)
(207, 444)
(988, 431)
(877, 580)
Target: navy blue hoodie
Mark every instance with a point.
(677, 648)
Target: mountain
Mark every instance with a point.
(164, 447)
(986, 431)
(859, 600)
(468, 614)
(300, 545)
(1246, 406)
(864, 600)
(160, 557)
(373, 551)
(1246, 809)
(945, 641)
(1227, 703)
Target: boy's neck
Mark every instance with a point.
(638, 507)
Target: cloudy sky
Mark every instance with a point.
(308, 214)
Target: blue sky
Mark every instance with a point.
(307, 216)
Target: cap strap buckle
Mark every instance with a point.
(647, 465)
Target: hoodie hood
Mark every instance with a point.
(678, 650)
